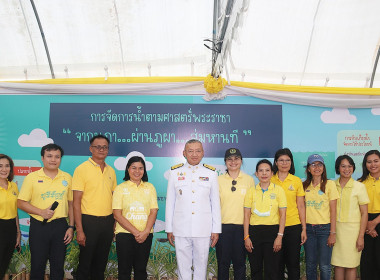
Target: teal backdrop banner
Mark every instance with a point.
(257, 127)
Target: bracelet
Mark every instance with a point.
(73, 227)
(333, 232)
(245, 238)
(280, 234)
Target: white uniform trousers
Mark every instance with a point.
(192, 251)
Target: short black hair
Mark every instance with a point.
(51, 147)
(340, 159)
(264, 161)
(132, 160)
(100, 136)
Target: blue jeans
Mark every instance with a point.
(317, 251)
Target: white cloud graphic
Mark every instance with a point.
(338, 115)
(36, 138)
(375, 111)
(121, 162)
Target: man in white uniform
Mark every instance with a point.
(193, 219)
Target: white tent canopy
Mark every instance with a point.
(290, 42)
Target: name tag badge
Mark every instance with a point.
(181, 178)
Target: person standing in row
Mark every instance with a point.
(10, 235)
(93, 184)
(233, 186)
(192, 215)
(320, 196)
(49, 233)
(135, 210)
(295, 226)
(264, 224)
(351, 220)
(370, 259)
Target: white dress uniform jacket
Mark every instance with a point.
(192, 201)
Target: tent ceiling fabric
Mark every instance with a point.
(128, 38)
(294, 42)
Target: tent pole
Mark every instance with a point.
(214, 31)
(374, 67)
(43, 39)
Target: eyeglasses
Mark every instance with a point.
(99, 148)
(233, 188)
(316, 165)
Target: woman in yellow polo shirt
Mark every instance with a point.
(10, 235)
(320, 196)
(370, 259)
(264, 223)
(295, 226)
(233, 186)
(135, 210)
(351, 220)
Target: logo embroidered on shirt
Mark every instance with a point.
(65, 183)
(291, 188)
(272, 196)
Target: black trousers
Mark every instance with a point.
(291, 247)
(46, 243)
(230, 248)
(370, 259)
(262, 257)
(131, 254)
(8, 236)
(93, 257)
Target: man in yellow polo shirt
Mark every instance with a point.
(49, 233)
(93, 184)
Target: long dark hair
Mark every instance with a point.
(11, 164)
(132, 160)
(364, 164)
(284, 152)
(309, 178)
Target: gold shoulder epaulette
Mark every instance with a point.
(176, 166)
(209, 167)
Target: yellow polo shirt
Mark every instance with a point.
(41, 191)
(318, 203)
(266, 203)
(373, 189)
(292, 185)
(8, 201)
(97, 187)
(232, 203)
(135, 203)
(351, 196)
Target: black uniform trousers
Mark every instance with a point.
(262, 257)
(230, 248)
(291, 247)
(8, 236)
(131, 254)
(93, 257)
(370, 259)
(46, 243)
